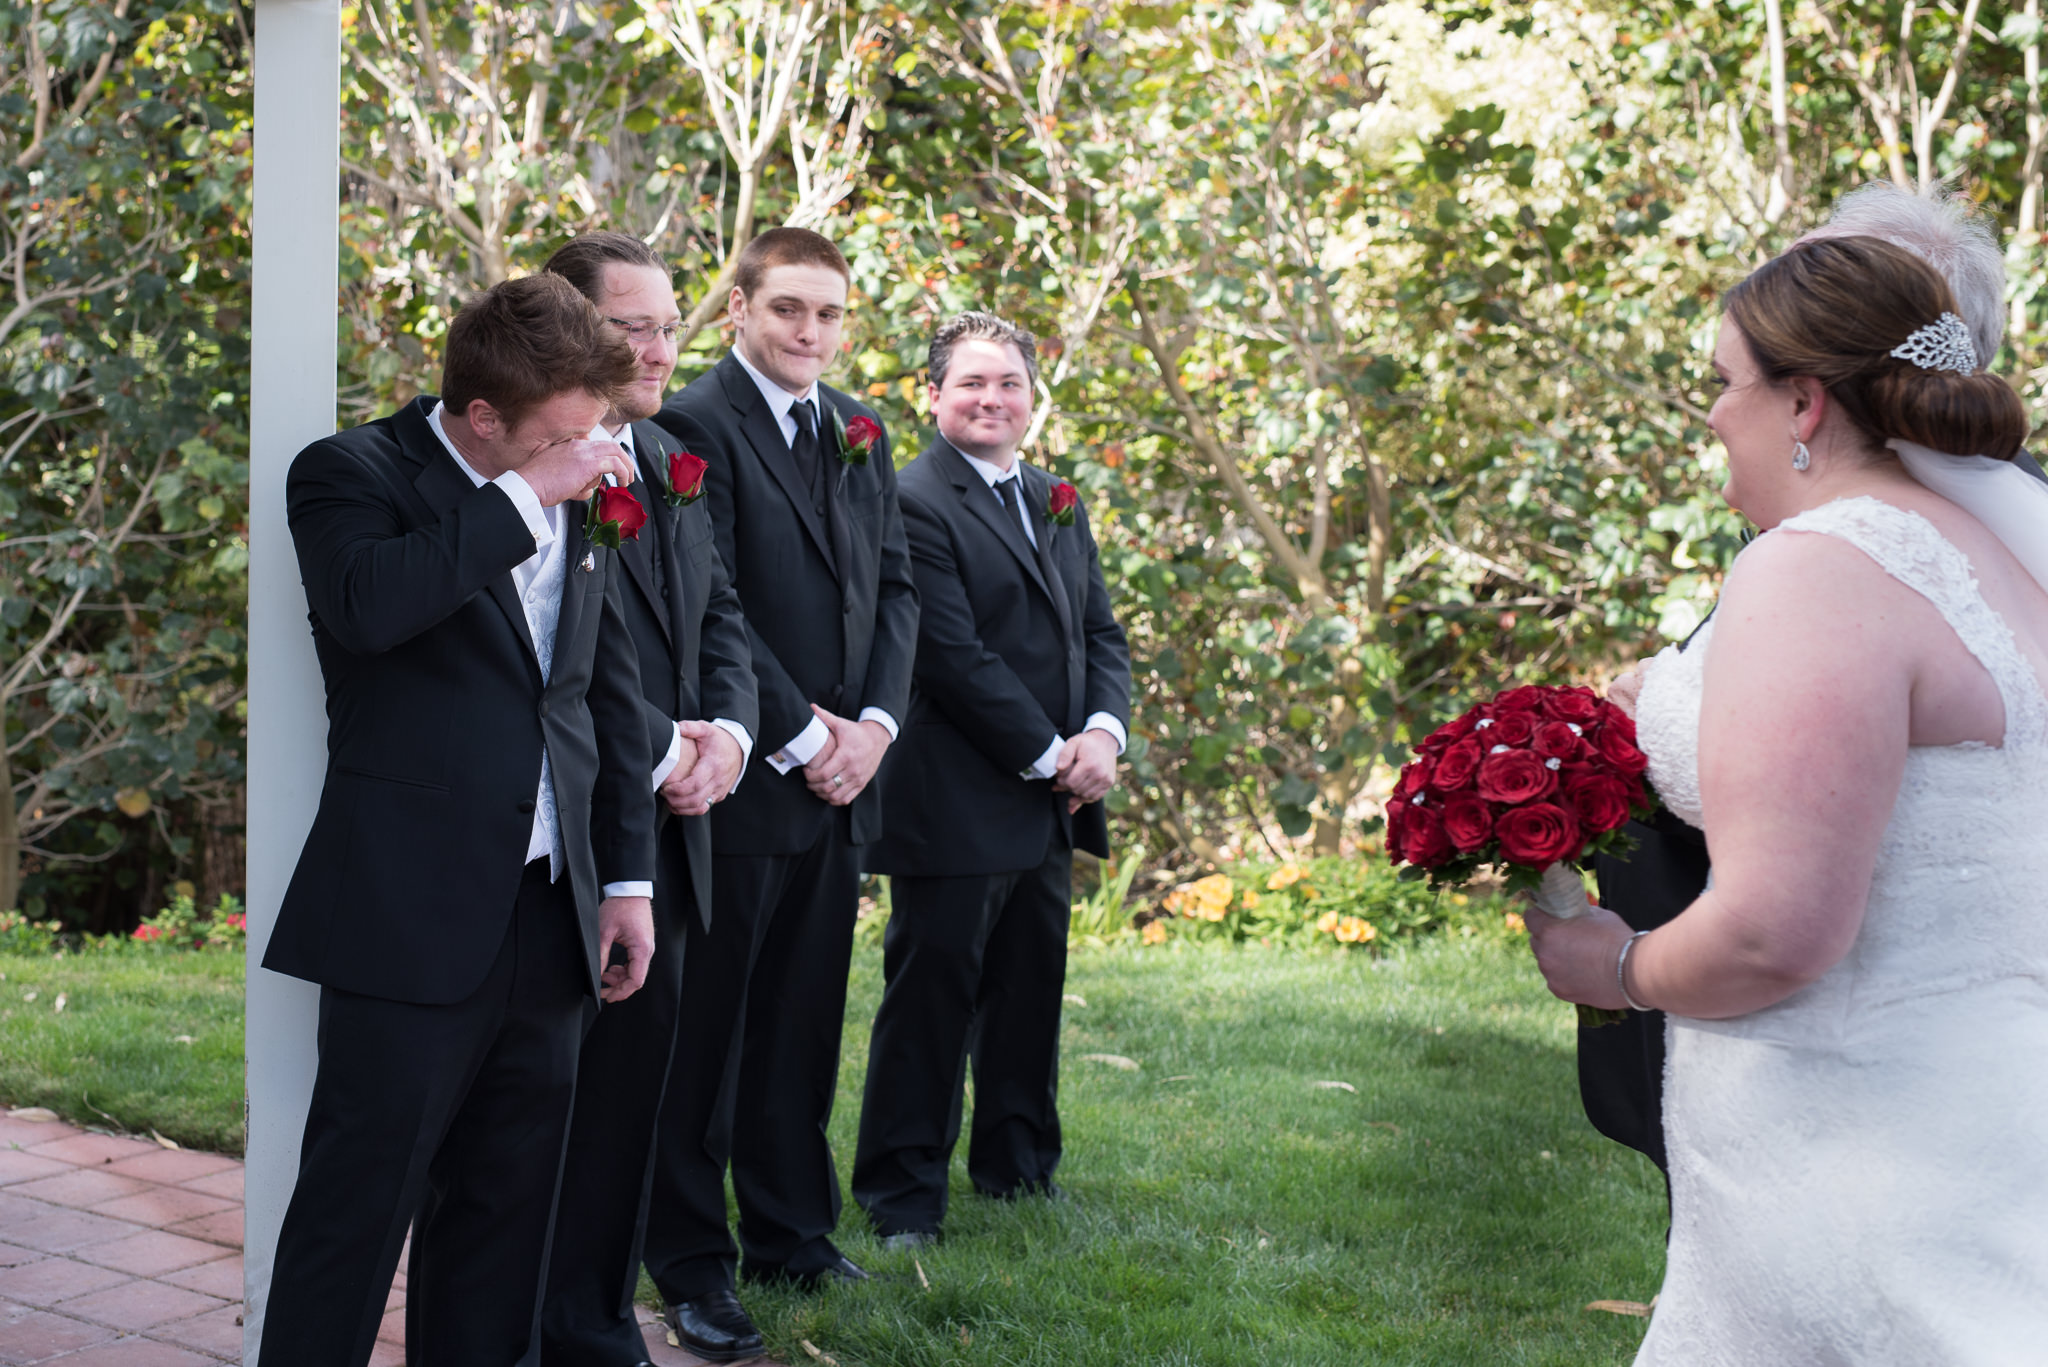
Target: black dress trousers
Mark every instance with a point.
(1621, 1066)
(975, 969)
(755, 1068)
(449, 1119)
(594, 1267)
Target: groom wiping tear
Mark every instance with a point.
(488, 773)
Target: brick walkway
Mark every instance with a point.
(121, 1253)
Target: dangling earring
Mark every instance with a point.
(1801, 457)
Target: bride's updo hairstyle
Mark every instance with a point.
(1833, 309)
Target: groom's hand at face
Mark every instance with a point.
(572, 470)
(626, 923)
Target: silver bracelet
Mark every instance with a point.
(1621, 971)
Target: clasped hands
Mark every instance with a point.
(853, 750)
(1086, 768)
(706, 769)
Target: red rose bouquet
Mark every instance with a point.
(1530, 782)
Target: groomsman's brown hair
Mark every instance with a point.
(985, 327)
(520, 343)
(785, 247)
(581, 260)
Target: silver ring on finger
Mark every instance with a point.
(838, 779)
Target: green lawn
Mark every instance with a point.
(152, 1039)
(1455, 1208)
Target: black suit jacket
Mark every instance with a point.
(830, 609)
(688, 632)
(436, 718)
(1014, 646)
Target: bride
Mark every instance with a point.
(1857, 1086)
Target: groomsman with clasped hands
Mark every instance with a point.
(1018, 712)
(697, 681)
(484, 841)
(802, 496)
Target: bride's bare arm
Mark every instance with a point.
(1803, 737)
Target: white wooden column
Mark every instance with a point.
(291, 403)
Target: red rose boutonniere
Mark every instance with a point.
(613, 515)
(856, 438)
(685, 478)
(1059, 508)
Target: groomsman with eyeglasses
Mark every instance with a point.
(697, 682)
(802, 494)
(1018, 712)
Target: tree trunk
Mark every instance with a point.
(10, 830)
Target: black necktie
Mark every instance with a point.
(1011, 492)
(805, 448)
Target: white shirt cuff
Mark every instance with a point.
(1047, 764)
(1102, 721)
(802, 749)
(738, 733)
(877, 714)
(629, 889)
(668, 761)
(528, 503)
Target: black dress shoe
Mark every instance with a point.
(715, 1327)
(907, 1240)
(840, 1269)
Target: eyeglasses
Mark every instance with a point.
(636, 333)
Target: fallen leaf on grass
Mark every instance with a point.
(61, 999)
(162, 1142)
(34, 1115)
(1129, 1065)
(966, 1336)
(1384, 1125)
(1179, 1077)
(28, 996)
(922, 1280)
(1336, 1087)
(1074, 999)
(812, 1349)
(1636, 1308)
(181, 1039)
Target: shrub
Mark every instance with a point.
(20, 935)
(181, 925)
(1341, 903)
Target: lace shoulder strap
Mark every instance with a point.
(1908, 548)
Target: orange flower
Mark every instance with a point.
(1284, 876)
(1327, 922)
(1516, 923)
(1154, 933)
(1354, 930)
(1248, 899)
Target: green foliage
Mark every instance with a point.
(181, 925)
(1346, 904)
(123, 437)
(20, 935)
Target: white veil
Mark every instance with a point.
(1998, 493)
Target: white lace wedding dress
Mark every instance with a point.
(1859, 1173)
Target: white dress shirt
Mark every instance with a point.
(538, 580)
(667, 764)
(992, 474)
(808, 742)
